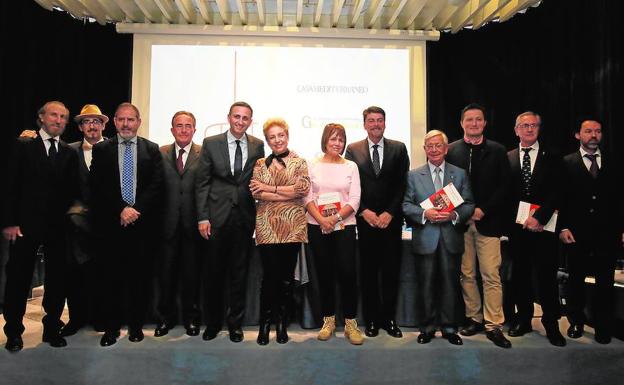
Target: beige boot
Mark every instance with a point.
(352, 332)
(329, 325)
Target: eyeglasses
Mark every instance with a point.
(95, 122)
(437, 146)
(524, 126)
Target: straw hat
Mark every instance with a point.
(90, 111)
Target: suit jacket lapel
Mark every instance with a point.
(365, 151)
(225, 154)
(427, 181)
(192, 157)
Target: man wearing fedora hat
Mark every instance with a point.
(82, 284)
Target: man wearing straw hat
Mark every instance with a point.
(81, 279)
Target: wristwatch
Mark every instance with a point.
(338, 217)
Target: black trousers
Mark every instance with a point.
(278, 270)
(439, 293)
(535, 260)
(19, 275)
(177, 273)
(584, 261)
(380, 262)
(334, 259)
(124, 270)
(81, 289)
(226, 268)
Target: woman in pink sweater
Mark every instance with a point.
(332, 202)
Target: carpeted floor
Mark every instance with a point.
(179, 359)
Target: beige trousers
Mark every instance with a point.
(485, 250)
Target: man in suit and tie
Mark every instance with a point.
(226, 215)
(591, 228)
(535, 179)
(178, 265)
(126, 187)
(82, 283)
(486, 163)
(383, 164)
(42, 185)
(438, 240)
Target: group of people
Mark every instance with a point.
(117, 215)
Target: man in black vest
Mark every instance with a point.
(591, 223)
(42, 185)
(486, 163)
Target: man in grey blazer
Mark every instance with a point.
(177, 269)
(226, 215)
(438, 240)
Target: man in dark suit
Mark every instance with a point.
(383, 164)
(126, 186)
(437, 240)
(486, 163)
(226, 215)
(81, 275)
(178, 265)
(42, 185)
(535, 179)
(591, 229)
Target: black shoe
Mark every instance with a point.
(236, 334)
(162, 329)
(425, 337)
(109, 338)
(554, 336)
(453, 338)
(392, 329)
(14, 344)
(371, 330)
(281, 333)
(599, 336)
(472, 328)
(519, 330)
(497, 336)
(54, 339)
(192, 330)
(71, 328)
(209, 334)
(575, 331)
(135, 335)
(263, 333)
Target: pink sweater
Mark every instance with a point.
(343, 178)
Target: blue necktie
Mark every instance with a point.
(437, 181)
(127, 176)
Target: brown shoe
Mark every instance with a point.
(351, 331)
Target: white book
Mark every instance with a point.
(526, 209)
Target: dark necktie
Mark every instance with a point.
(376, 164)
(52, 152)
(238, 161)
(593, 168)
(526, 171)
(179, 162)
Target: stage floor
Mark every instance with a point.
(179, 359)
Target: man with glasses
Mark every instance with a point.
(535, 171)
(81, 278)
(437, 239)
